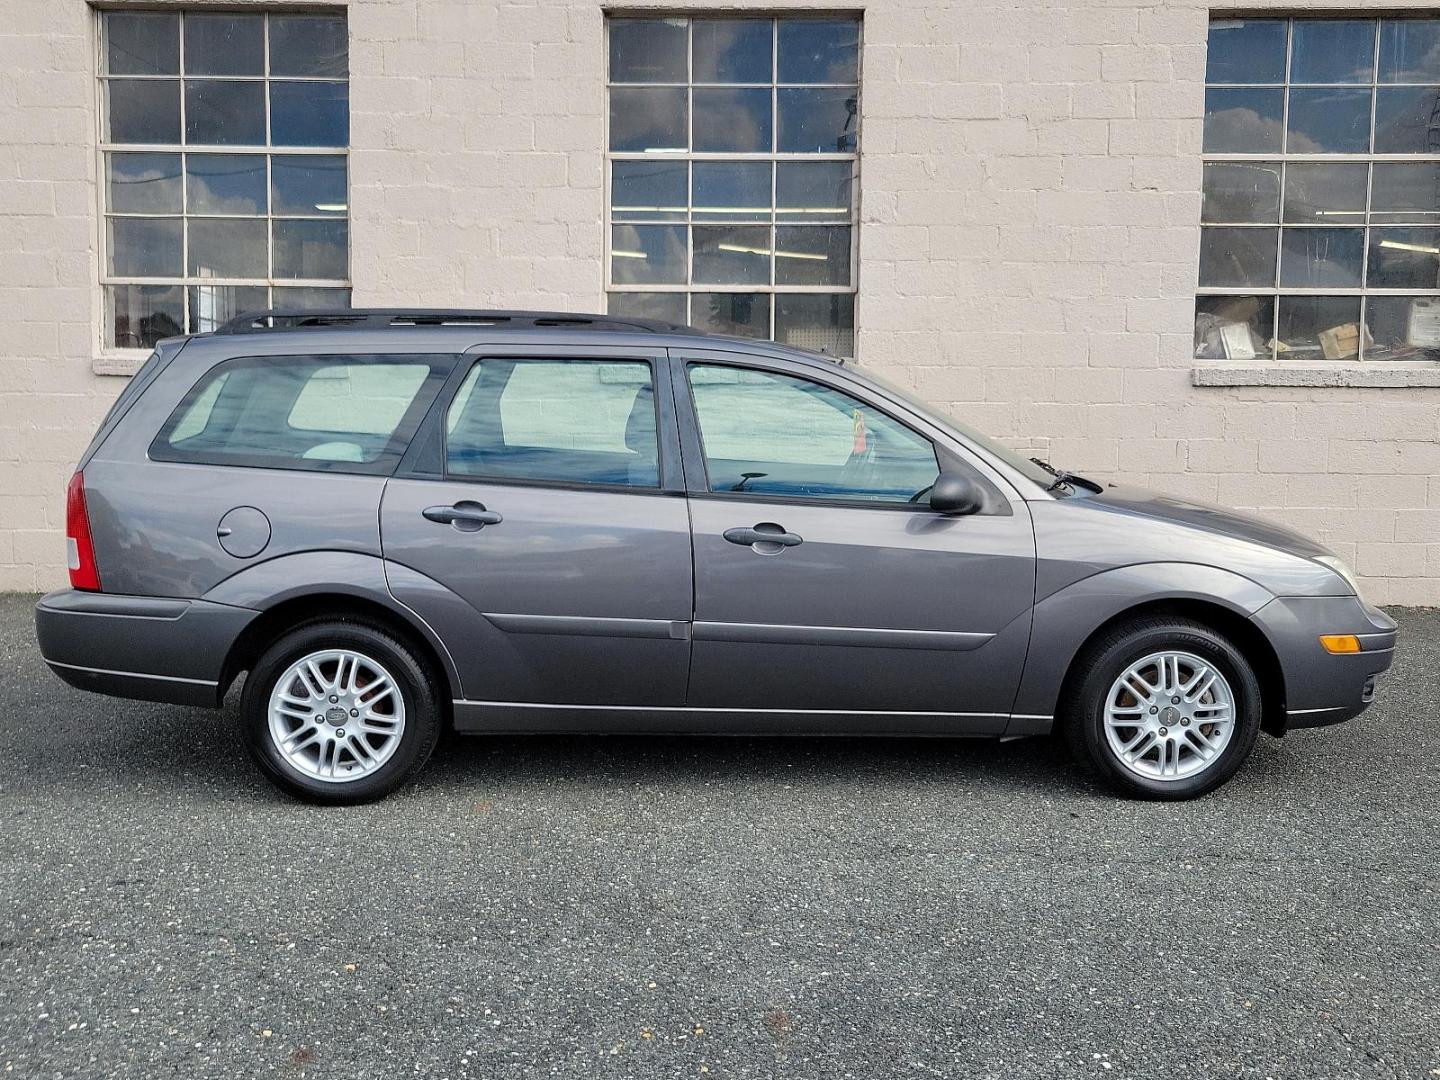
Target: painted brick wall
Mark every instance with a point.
(1030, 205)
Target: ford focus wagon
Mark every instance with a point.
(391, 522)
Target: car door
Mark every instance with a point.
(825, 587)
(540, 526)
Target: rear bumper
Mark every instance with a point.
(141, 647)
(1322, 688)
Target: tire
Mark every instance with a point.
(344, 751)
(1198, 753)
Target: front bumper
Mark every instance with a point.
(144, 647)
(1324, 688)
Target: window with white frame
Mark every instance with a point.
(224, 171)
(1320, 227)
(733, 154)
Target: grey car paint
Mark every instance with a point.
(585, 601)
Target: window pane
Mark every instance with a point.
(224, 113)
(1404, 259)
(309, 114)
(299, 413)
(648, 119)
(142, 111)
(1410, 50)
(817, 121)
(1328, 122)
(1237, 257)
(648, 254)
(812, 255)
(212, 305)
(665, 306)
(738, 255)
(229, 248)
(312, 249)
(648, 190)
(1405, 193)
(819, 51)
(1403, 120)
(144, 247)
(1317, 258)
(1246, 51)
(575, 421)
(1243, 121)
(144, 183)
(1241, 191)
(1234, 327)
(1319, 327)
(813, 190)
(822, 322)
(732, 50)
(773, 434)
(1332, 51)
(224, 44)
(737, 314)
(308, 184)
(732, 121)
(732, 191)
(310, 298)
(137, 316)
(648, 50)
(1402, 328)
(309, 45)
(225, 183)
(142, 43)
(1325, 194)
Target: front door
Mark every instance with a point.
(552, 551)
(825, 587)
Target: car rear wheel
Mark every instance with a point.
(340, 712)
(1162, 708)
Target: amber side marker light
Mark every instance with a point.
(1340, 643)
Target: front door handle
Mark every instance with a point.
(466, 515)
(767, 538)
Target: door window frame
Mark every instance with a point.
(997, 501)
(427, 458)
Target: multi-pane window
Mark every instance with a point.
(224, 169)
(732, 186)
(1321, 221)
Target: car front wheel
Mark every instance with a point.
(1162, 708)
(340, 712)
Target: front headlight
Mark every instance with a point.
(1338, 565)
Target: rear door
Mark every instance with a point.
(825, 587)
(540, 526)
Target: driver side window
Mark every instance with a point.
(766, 433)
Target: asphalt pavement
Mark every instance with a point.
(645, 907)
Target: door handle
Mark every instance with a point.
(767, 538)
(467, 516)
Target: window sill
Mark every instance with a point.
(119, 363)
(1377, 374)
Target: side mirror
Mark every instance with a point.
(955, 495)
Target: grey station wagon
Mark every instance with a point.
(393, 521)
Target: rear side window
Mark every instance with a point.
(556, 421)
(323, 413)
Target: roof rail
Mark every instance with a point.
(252, 322)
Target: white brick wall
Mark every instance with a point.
(1030, 206)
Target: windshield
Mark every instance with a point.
(1016, 461)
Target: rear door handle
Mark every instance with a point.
(767, 538)
(466, 515)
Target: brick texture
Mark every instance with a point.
(1030, 205)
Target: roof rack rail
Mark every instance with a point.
(252, 322)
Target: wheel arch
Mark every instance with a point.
(1067, 621)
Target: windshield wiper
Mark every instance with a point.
(1062, 478)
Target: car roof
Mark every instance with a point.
(284, 331)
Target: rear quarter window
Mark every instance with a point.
(317, 413)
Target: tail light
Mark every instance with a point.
(84, 574)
